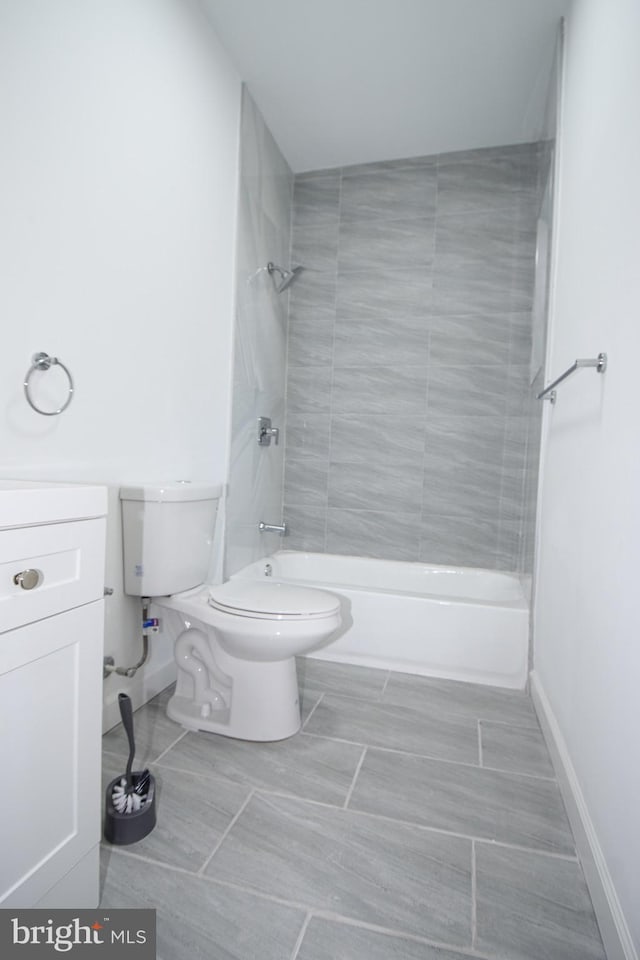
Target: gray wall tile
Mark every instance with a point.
(400, 341)
(306, 528)
(311, 342)
(389, 194)
(465, 284)
(467, 390)
(382, 293)
(316, 246)
(410, 330)
(316, 200)
(380, 389)
(308, 436)
(372, 533)
(306, 482)
(387, 438)
(502, 234)
(260, 353)
(313, 296)
(309, 389)
(381, 244)
(486, 181)
(400, 163)
(471, 491)
(462, 541)
(476, 338)
(356, 486)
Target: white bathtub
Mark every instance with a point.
(455, 622)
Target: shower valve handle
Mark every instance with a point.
(266, 432)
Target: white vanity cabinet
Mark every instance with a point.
(52, 555)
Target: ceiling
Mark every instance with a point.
(353, 81)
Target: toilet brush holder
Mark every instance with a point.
(123, 828)
(130, 803)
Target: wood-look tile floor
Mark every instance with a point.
(411, 818)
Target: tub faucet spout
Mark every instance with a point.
(272, 528)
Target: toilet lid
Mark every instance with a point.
(272, 601)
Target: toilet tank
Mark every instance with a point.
(167, 532)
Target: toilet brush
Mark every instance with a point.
(130, 799)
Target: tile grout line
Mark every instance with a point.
(312, 912)
(301, 936)
(354, 778)
(525, 723)
(384, 686)
(270, 791)
(312, 711)
(474, 900)
(333, 357)
(440, 831)
(171, 745)
(424, 828)
(467, 951)
(429, 756)
(221, 840)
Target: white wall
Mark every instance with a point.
(587, 618)
(118, 178)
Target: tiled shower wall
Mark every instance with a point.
(408, 358)
(259, 370)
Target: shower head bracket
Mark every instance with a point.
(286, 276)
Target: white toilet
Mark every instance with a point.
(235, 644)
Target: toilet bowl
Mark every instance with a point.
(235, 650)
(235, 643)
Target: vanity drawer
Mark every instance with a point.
(47, 569)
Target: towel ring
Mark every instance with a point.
(42, 361)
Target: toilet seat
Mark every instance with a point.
(272, 601)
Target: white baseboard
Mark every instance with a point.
(613, 926)
(147, 684)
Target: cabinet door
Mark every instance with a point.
(50, 706)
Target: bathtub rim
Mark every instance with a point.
(519, 603)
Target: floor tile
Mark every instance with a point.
(388, 885)
(519, 749)
(392, 875)
(395, 727)
(490, 804)
(327, 940)
(153, 731)
(530, 906)
(309, 700)
(197, 919)
(191, 815)
(322, 676)
(161, 699)
(450, 697)
(304, 766)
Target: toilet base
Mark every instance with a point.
(262, 704)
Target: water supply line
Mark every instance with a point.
(148, 624)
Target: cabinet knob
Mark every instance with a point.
(28, 579)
